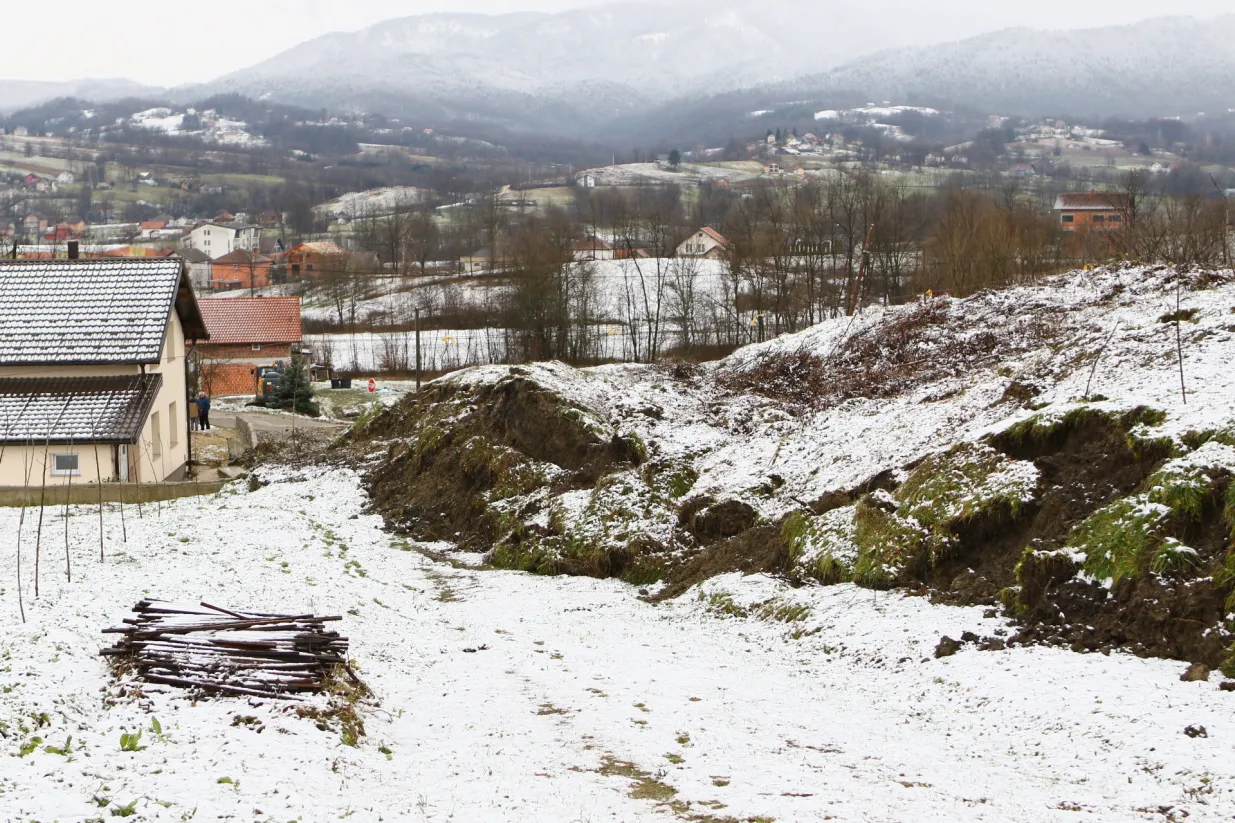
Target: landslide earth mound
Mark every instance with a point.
(989, 474)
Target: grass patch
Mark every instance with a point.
(1118, 539)
(900, 535)
(347, 693)
(644, 786)
(1041, 429)
(1143, 533)
(1181, 316)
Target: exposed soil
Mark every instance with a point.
(757, 550)
(1083, 467)
(452, 450)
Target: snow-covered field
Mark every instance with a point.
(508, 697)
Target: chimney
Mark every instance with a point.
(74, 254)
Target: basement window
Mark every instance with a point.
(65, 465)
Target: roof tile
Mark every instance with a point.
(85, 311)
(233, 320)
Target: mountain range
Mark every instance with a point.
(1165, 66)
(586, 72)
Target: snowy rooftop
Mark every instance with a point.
(65, 410)
(90, 311)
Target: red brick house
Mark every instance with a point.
(312, 259)
(1094, 211)
(240, 269)
(245, 332)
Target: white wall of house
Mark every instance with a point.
(216, 240)
(212, 240)
(699, 244)
(164, 447)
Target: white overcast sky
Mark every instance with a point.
(179, 43)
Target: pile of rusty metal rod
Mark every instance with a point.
(223, 652)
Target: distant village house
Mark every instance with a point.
(245, 332)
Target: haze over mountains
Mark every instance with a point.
(583, 71)
(1172, 65)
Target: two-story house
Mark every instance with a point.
(1093, 211)
(245, 332)
(218, 239)
(93, 370)
(707, 243)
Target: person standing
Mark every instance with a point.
(203, 411)
(194, 414)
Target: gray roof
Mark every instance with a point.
(66, 410)
(99, 311)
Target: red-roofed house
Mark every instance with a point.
(1097, 211)
(240, 269)
(592, 248)
(707, 242)
(245, 332)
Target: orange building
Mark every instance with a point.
(245, 332)
(1094, 211)
(311, 259)
(240, 269)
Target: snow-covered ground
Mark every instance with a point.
(507, 697)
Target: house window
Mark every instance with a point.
(1115, 218)
(65, 465)
(156, 436)
(1068, 218)
(257, 347)
(173, 428)
(1099, 218)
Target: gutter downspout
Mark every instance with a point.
(190, 470)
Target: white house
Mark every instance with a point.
(707, 242)
(65, 178)
(93, 370)
(587, 180)
(218, 239)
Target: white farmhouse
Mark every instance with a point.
(218, 239)
(707, 242)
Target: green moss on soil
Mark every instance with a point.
(1142, 533)
(1041, 428)
(1118, 539)
(943, 495)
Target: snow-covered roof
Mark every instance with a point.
(98, 311)
(1093, 201)
(67, 410)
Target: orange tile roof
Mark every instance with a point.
(232, 320)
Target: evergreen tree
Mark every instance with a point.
(675, 158)
(295, 392)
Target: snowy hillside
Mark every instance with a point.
(552, 70)
(1162, 66)
(1031, 449)
(856, 563)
